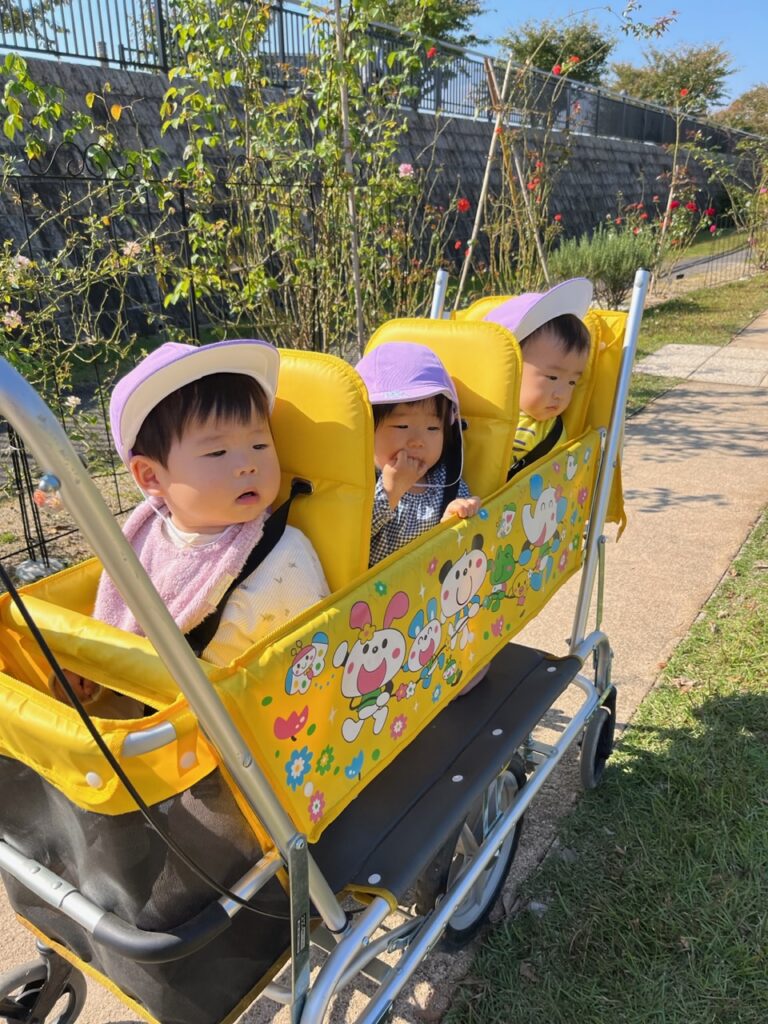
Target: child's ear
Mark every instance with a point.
(145, 472)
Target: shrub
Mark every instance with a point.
(608, 258)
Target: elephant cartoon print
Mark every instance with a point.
(370, 665)
(460, 582)
(540, 523)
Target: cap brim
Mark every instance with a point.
(572, 296)
(258, 360)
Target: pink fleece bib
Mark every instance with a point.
(189, 579)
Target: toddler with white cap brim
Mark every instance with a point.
(192, 426)
(554, 343)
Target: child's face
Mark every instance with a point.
(413, 427)
(549, 376)
(219, 473)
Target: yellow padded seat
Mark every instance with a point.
(323, 429)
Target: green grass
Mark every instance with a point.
(708, 316)
(658, 898)
(726, 240)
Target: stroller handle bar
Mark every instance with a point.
(35, 423)
(112, 932)
(611, 454)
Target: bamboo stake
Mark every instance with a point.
(498, 105)
(349, 167)
(521, 181)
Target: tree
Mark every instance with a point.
(448, 20)
(548, 45)
(694, 73)
(748, 112)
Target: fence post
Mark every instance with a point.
(437, 76)
(162, 51)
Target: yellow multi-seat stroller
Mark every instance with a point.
(298, 794)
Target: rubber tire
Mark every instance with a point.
(22, 985)
(448, 864)
(596, 746)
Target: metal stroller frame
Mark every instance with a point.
(353, 944)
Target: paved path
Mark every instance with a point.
(696, 479)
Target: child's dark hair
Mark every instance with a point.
(228, 396)
(569, 330)
(443, 407)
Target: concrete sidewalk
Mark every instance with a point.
(696, 479)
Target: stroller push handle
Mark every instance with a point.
(126, 939)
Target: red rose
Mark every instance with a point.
(431, 52)
(457, 245)
(557, 218)
(617, 221)
(683, 92)
(674, 204)
(574, 60)
(498, 130)
(711, 211)
(557, 69)
(712, 229)
(462, 205)
(643, 216)
(692, 207)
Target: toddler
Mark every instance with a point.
(554, 342)
(417, 445)
(192, 426)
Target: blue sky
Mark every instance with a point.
(740, 27)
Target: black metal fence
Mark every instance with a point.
(140, 34)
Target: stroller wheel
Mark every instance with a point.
(597, 744)
(459, 852)
(21, 990)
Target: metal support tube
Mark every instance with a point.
(435, 924)
(33, 420)
(335, 967)
(438, 295)
(609, 460)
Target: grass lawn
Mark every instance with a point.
(657, 897)
(726, 240)
(709, 316)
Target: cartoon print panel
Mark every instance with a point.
(329, 705)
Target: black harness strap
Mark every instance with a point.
(545, 445)
(201, 635)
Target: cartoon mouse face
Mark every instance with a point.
(462, 579)
(426, 632)
(540, 520)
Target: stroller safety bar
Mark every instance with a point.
(126, 939)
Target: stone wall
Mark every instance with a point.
(585, 192)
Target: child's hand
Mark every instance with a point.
(399, 475)
(462, 507)
(85, 689)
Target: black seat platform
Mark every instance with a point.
(399, 822)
